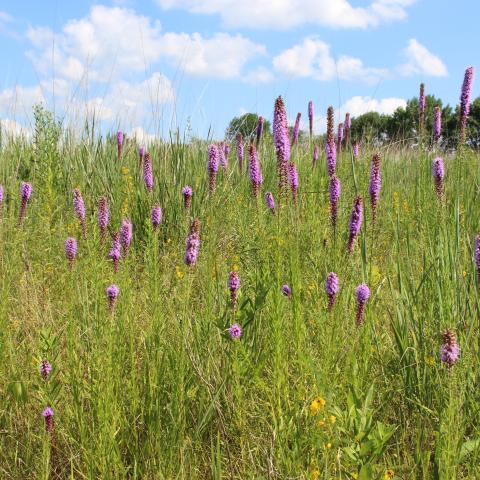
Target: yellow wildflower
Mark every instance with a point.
(317, 404)
(179, 272)
(315, 475)
(321, 423)
(332, 418)
(388, 474)
(328, 445)
(430, 361)
(464, 274)
(396, 202)
(235, 267)
(125, 171)
(405, 206)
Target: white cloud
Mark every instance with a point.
(259, 75)
(142, 137)
(421, 61)
(97, 47)
(18, 100)
(312, 58)
(282, 14)
(11, 128)
(359, 105)
(5, 17)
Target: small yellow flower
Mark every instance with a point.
(430, 361)
(124, 171)
(312, 286)
(317, 404)
(405, 206)
(179, 272)
(235, 267)
(328, 446)
(388, 474)
(464, 274)
(354, 475)
(321, 423)
(169, 240)
(396, 202)
(315, 475)
(332, 419)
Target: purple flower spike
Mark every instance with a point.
(233, 286)
(119, 144)
(296, 129)
(310, 117)
(449, 351)
(192, 244)
(375, 185)
(45, 369)
(112, 295)
(212, 167)
(437, 124)
(223, 159)
(315, 155)
(141, 154)
(287, 291)
(48, 415)
(115, 252)
(235, 331)
(293, 180)
(240, 151)
(331, 153)
(148, 172)
(362, 293)
(126, 232)
(356, 219)
(340, 136)
(25, 194)
(79, 207)
(1, 195)
(270, 202)
(438, 173)
(259, 132)
(103, 217)
(465, 101)
(156, 216)
(356, 149)
(187, 193)
(332, 286)
(477, 256)
(70, 250)
(282, 144)
(255, 171)
(335, 191)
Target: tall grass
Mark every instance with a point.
(158, 389)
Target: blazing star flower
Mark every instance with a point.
(356, 149)
(282, 143)
(296, 129)
(187, 196)
(126, 232)
(141, 154)
(25, 194)
(340, 135)
(362, 293)
(221, 156)
(103, 217)
(48, 415)
(332, 286)
(156, 216)
(79, 207)
(477, 256)
(310, 117)
(119, 143)
(45, 369)
(233, 286)
(330, 125)
(270, 202)
(192, 243)
(240, 151)
(449, 351)
(375, 184)
(112, 295)
(115, 252)
(235, 331)
(331, 154)
(335, 191)
(212, 167)
(70, 250)
(465, 101)
(437, 124)
(255, 171)
(315, 155)
(287, 291)
(293, 180)
(438, 173)
(148, 172)
(259, 132)
(356, 219)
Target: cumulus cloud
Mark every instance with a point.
(259, 75)
(283, 14)
(421, 61)
(11, 128)
(313, 59)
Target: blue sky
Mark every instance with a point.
(148, 66)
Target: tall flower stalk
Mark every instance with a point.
(25, 194)
(187, 193)
(115, 251)
(79, 207)
(192, 244)
(310, 118)
(465, 102)
(335, 189)
(282, 144)
(103, 217)
(293, 180)
(233, 286)
(255, 170)
(212, 167)
(148, 172)
(449, 351)
(356, 219)
(259, 132)
(375, 184)
(332, 286)
(112, 295)
(156, 216)
(330, 146)
(347, 125)
(126, 233)
(421, 110)
(240, 151)
(340, 134)
(315, 155)
(119, 144)
(270, 201)
(71, 251)
(438, 173)
(437, 124)
(362, 293)
(296, 129)
(477, 256)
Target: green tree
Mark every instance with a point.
(246, 125)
